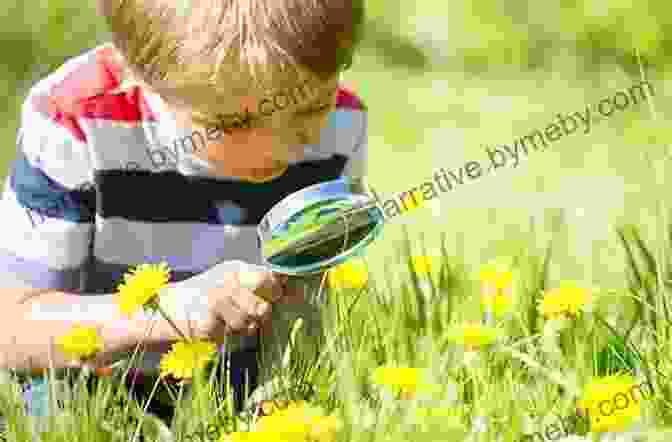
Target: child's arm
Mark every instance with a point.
(29, 328)
(222, 301)
(46, 242)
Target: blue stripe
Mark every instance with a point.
(38, 192)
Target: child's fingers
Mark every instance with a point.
(294, 291)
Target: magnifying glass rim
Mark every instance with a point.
(320, 265)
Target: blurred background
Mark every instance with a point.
(445, 80)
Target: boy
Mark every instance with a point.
(169, 144)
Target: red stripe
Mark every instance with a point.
(347, 99)
(88, 80)
(129, 106)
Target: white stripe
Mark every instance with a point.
(56, 243)
(358, 159)
(342, 133)
(54, 150)
(44, 85)
(185, 246)
(114, 147)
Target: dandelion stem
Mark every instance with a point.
(556, 377)
(169, 320)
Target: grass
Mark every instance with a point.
(591, 209)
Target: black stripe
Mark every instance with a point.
(104, 277)
(146, 196)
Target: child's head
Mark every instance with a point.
(211, 60)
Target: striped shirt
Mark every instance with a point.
(102, 182)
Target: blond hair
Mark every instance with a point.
(181, 43)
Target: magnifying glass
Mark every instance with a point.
(319, 227)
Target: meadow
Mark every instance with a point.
(534, 292)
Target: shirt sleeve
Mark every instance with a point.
(48, 212)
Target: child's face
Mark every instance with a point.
(260, 131)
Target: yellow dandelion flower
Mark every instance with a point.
(281, 424)
(473, 335)
(611, 403)
(404, 381)
(81, 343)
(495, 276)
(325, 428)
(268, 407)
(185, 357)
(298, 410)
(141, 286)
(411, 200)
(352, 274)
(496, 290)
(299, 421)
(499, 303)
(566, 300)
(422, 265)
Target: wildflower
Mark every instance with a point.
(352, 274)
(499, 303)
(287, 428)
(405, 381)
(473, 335)
(496, 289)
(564, 301)
(141, 287)
(185, 357)
(325, 428)
(299, 422)
(81, 343)
(422, 265)
(609, 404)
(496, 277)
(412, 200)
(281, 424)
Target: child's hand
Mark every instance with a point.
(242, 304)
(232, 298)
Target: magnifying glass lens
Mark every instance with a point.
(319, 227)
